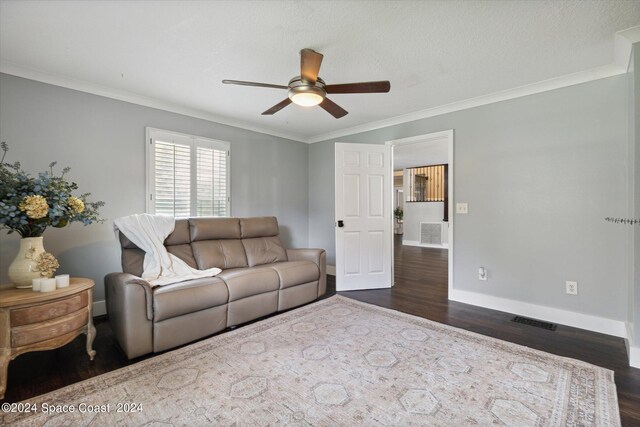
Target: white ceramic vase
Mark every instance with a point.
(23, 268)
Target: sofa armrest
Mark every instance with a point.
(130, 311)
(317, 256)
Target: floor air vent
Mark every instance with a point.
(431, 233)
(534, 322)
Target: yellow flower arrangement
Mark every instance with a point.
(76, 205)
(36, 206)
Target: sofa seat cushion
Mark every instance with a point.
(187, 297)
(247, 282)
(293, 273)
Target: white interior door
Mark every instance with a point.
(363, 216)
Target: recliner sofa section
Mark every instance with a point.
(259, 277)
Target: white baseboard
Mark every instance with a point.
(550, 314)
(634, 357)
(424, 245)
(331, 269)
(632, 351)
(99, 308)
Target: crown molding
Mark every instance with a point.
(623, 46)
(517, 92)
(100, 90)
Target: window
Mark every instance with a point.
(187, 176)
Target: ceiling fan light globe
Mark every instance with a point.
(306, 99)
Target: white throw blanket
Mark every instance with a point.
(148, 232)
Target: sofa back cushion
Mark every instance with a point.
(216, 243)
(223, 254)
(261, 241)
(264, 226)
(214, 228)
(132, 256)
(177, 243)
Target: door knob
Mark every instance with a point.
(340, 223)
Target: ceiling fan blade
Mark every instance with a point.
(310, 61)
(243, 83)
(279, 106)
(364, 87)
(332, 108)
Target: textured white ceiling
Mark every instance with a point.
(420, 153)
(433, 52)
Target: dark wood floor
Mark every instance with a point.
(420, 289)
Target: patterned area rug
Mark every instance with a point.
(341, 362)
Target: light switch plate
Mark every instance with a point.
(462, 208)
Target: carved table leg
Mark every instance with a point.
(4, 368)
(91, 330)
(5, 349)
(91, 335)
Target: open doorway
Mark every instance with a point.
(422, 217)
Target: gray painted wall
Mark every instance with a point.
(540, 173)
(102, 140)
(417, 212)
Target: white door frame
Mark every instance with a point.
(423, 138)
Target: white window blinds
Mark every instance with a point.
(187, 176)
(211, 182)
(172, 194)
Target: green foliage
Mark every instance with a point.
(62, 207)
(398, 213)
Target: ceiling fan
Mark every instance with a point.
(308, 89)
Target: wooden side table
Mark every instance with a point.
(33, 321)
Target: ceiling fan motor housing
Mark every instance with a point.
(304, 91)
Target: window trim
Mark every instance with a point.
(153, 133)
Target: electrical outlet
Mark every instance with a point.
(462, 208)
(572, 287)
(482, 273)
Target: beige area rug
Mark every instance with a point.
(341, 362)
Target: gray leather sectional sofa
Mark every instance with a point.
(259, 277)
